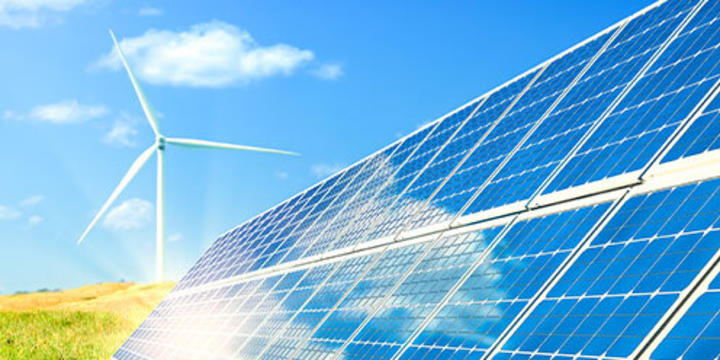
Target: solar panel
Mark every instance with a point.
(630, 275)
(650, 112)
(695, 336)
(510, 130)
(570, 213)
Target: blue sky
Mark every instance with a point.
(332, 80)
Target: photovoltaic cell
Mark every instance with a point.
(578, 111)
(660, 101)
(695, 336)
(508, 133)
(316, 220)
(502, 284)
(630, 275)
(414, 299)
(703, 135)
(393, 181)
(318, 306)
(342, 209)
(279, 310)
(449, 156)
(360, 302)
(391, 196)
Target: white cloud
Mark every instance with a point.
(32, 200)
(329, 71)
(207, 55)
(63, 112)
(150, 11)
(175, 237)
(35, 220)
(130, 214)
(33, 13)
(282, 175)
(325, 170)
(121, 134)
(9, 213)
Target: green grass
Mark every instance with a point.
(55, 334)
(85, 323)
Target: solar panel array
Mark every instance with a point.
(571, 213)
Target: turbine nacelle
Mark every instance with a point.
(159, 147)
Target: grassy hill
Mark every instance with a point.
(90, 322)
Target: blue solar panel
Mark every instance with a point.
(394, 181)
(652, 110)
(391, 196)
(366, 294)
(277, 311)
(317, 307)
(422, 187)
(695, 336)
(583, 275)
(503, 283)
(578, 111)
(630, 275)
(507, 134)
(413, 300)
(341, 212)
(703, 135)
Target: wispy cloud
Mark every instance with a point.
(325, 170)
(32, 200)
(329, 71)
(121, 134)
(18, 14)
(175, 237)
(282, 175)
(212, 54)
(35, 220)
(9, 213)
(129, 215)
(150, 11)
(63, 112)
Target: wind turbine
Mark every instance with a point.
(159, 147)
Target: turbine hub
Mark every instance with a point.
(161, 143)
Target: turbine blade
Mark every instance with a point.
(204, 144)
(134, 168)
(138, 91)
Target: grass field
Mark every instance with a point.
(90, 322)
